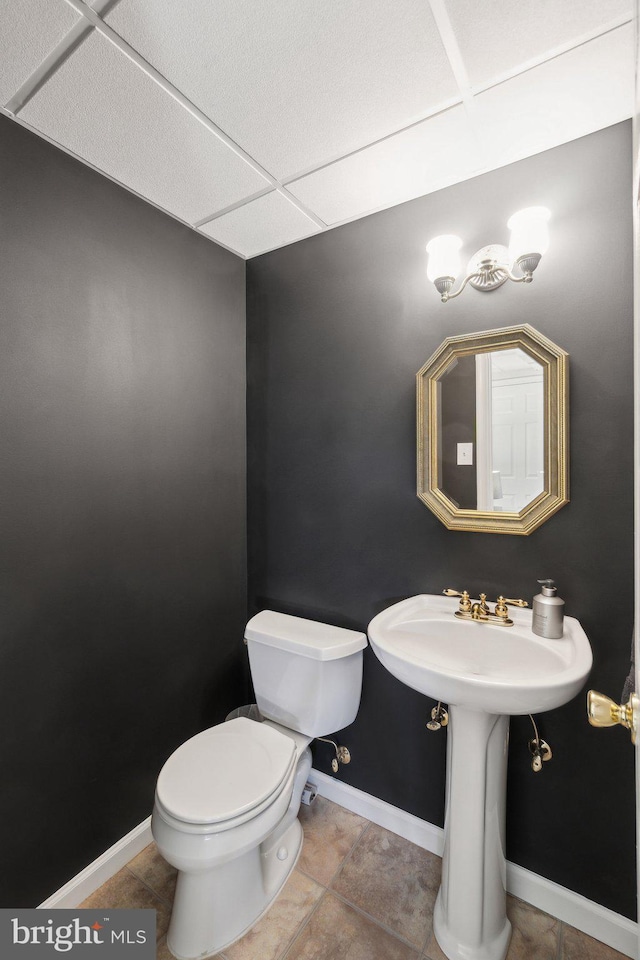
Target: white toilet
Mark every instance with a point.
(227, 801)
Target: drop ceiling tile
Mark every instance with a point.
(430, 155)
(499, 37)
(100, 105)
(266, 223)
(294, 83)
(583, 90)
(29, 31)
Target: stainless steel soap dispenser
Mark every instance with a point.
(548, 612)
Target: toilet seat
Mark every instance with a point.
(225, 775)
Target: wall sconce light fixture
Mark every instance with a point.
(491, 266)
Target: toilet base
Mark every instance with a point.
(214, 908)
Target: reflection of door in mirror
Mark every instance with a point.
(510, 422)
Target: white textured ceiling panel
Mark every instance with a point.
(266, 223)
(296, 83)
(100, 105)
(581, 91)
(431, 154)
(29, 30)
(335, 108)
(498, 37)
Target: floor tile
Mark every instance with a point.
(150, 867)
(330, 832)
(535, 934)
(271, 935)
(126, 891)
(338, 932)
(432, 950)
(578, 946)
(163, 952)
(394, 881)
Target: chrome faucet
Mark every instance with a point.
(480, 611)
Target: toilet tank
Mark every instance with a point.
(306, 675)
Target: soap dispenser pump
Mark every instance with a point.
(548, 612)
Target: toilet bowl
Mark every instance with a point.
(227, 800)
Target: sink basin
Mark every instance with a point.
(484, 672)
(502, 670)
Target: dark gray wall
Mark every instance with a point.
(122, 557)
(338, 326)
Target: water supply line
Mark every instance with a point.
(439, 717)
(539, 749)
(342, 754)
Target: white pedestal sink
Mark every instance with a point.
(484, 672)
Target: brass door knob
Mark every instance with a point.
(602, 711)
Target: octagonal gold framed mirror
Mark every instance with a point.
(493, 431)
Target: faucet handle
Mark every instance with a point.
(501, 606)
(465, 600)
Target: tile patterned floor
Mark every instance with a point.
(359, 892)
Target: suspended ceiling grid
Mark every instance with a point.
(260, 123)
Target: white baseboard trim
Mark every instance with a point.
(593, 919)
(605, 925)
(102, 869)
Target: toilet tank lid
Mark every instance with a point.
(308, 638)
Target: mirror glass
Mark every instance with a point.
(495, 402)
(492, 434)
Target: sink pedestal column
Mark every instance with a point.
(470, 920)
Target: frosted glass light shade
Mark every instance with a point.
(529, 232)
(444, 257)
